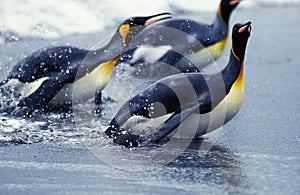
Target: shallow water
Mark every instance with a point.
(256, 153)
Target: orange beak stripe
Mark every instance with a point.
(149, 22)
(234, 2)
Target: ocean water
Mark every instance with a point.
(256, 153)
(56, 18)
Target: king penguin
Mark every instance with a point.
(183, 106)
(165, 40)
(45, 79)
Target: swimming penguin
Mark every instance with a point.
(187, 99)
(45, 79)
(204, 42)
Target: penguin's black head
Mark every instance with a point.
(132, 26)
(240, 35)
(226, 7)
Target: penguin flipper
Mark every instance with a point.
(128, 139)
(170, 124)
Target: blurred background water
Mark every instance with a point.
(55, 18)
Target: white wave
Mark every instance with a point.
(55, 18)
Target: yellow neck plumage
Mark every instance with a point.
(211, 52)
(103, 72)
(239, 83)
(216, 49)
(87, 85)
(234, 98)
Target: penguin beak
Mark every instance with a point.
(234, 2)
(156, 18)
(245, 27)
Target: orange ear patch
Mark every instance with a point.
(123, 30)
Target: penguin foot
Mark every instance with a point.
(111, 132)
(22, 112)
(100, 105)
(99, 110)
(131, 140)
(122, 137)
(127, 139)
